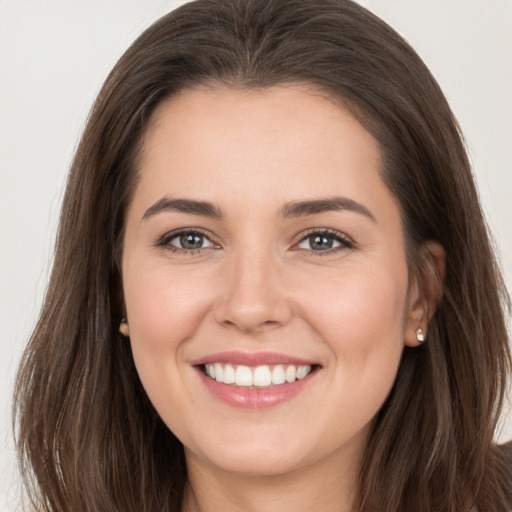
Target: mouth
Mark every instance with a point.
(255, 381)
(256, 377)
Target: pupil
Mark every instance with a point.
(321, 242)
(191, 241)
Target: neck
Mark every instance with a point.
(329, 486)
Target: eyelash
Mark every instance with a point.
(165, 241)
(344, 241)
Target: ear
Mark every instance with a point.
(425, 290)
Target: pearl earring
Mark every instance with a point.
(420, 335)
(124, 329)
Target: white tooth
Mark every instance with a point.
(210, 370)
(302, 371)
(243, 376)
(291, 374)
(229, 375)
(262, 376)
(219, 372)
(278, 375)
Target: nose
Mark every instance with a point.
(253, 297)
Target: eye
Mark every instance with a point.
(325, 241)
(185, 241)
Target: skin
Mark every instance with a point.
(258, 285)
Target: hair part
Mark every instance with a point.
(88, 437)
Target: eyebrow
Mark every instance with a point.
(313, 207)
(167, 204)
(293, 209)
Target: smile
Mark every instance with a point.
(255, 380)
(263, 376)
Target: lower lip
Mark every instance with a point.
(254, 398)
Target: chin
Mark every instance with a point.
(258, 465)
(268, 457)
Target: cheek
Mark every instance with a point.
(164, 306)
(163, 309)
(360, 315)
(359, 300)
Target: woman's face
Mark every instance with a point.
(263, 248)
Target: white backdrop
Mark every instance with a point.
(54, 55)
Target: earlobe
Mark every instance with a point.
(425, 291)
(124, 328)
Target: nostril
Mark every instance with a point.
(250, 326)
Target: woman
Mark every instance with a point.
(273, 287)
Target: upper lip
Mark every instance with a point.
(251, 359)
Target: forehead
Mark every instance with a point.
(288, 132)
(250, 154)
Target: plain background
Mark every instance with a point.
(54, 56)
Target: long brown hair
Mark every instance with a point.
(88, 437)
